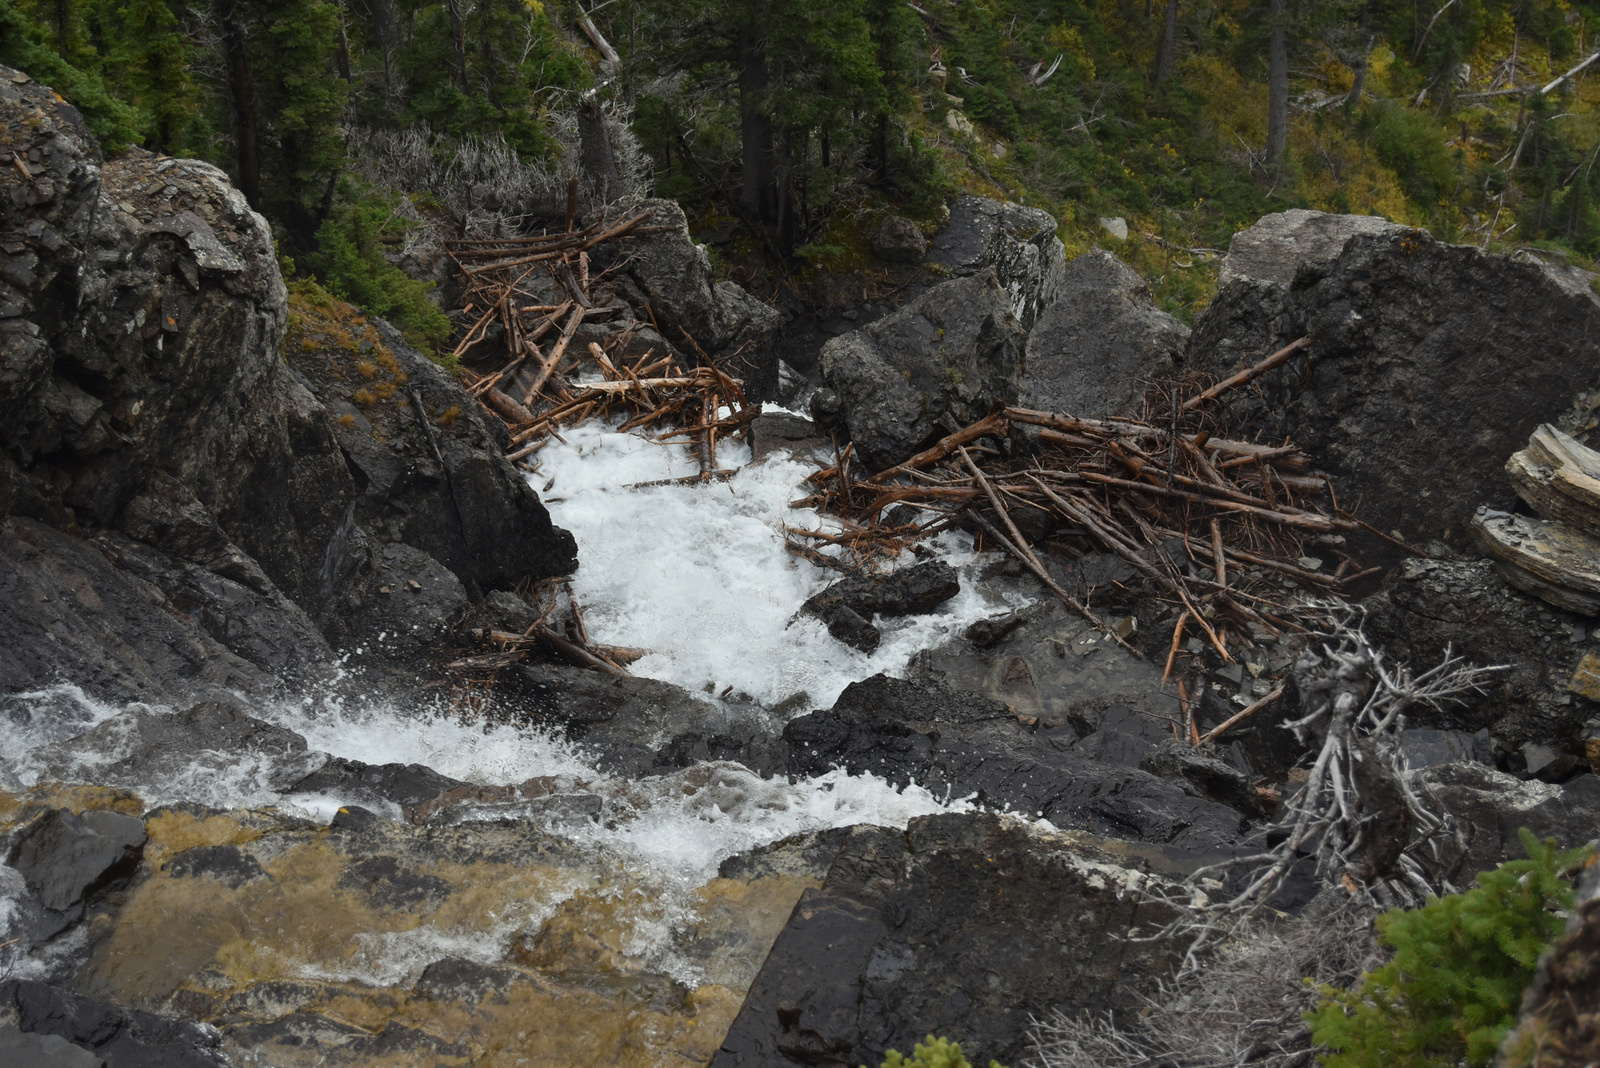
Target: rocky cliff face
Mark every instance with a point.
(150, 412)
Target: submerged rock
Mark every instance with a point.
(1096, 348)
(939, 363)
(962, 926)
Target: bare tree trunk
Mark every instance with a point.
(458, 42)
(1353, 99)
(1277, 85)
(596, 157)
(1167, 54)
(758, 193)
(246, 139)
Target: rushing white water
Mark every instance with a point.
(699, 574)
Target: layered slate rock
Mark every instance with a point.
(1096, 348)
(961, 744)
(939, 363)
(1428, 365)
(963, 926)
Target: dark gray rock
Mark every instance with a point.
(141, 749)
(1427, 748)
(1096, 348)
(965, 745)
(1429, 606)
(396, 784)
(1018, 243)
(939, 363)
(673, 282)
(120, 1037)
(146, 393)
(623, 720)
(1489, 807)
(778, 431)
(898, 240)
(849, 605)
(962, 926)
(43, 1051)
(225, 863)
(1203, 775)
(68, 611)
(1402, 325)
(67, 858)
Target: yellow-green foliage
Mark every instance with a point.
(342, 344)
(932, 1053)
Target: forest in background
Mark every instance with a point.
(353, 125)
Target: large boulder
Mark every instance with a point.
(1019, 244)
(1254, 278)
(142, 314)
(668, 279)
(1094, 349)
(1278, 245)
(1428, 609)
(961, 744)
(968, 927)
(941, 362)
(1429, 365)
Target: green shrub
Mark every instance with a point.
(350, 263)
(932, 1053)
(1460, 965)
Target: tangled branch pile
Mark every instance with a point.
(1204, 519)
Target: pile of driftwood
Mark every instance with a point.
(1216, 526)
(545, 384)
(1557, 557)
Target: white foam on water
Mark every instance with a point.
(699, 574)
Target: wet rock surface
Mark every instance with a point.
(1098, 346)
(962, 926)
(961, 744)
(937, 364)
(68, 1030)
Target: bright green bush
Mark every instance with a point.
(1460, 965)
(350, 263)
(932, 1053)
